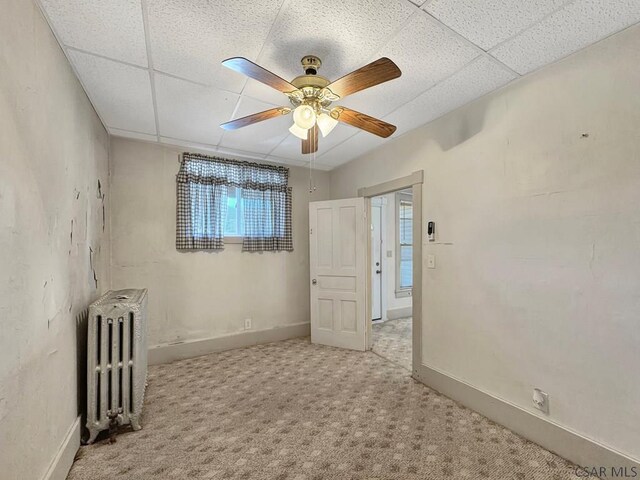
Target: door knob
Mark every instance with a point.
(314, 281)
(378, 271)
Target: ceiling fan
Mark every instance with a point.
(311, 96)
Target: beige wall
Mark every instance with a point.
(537, 275)
(200, 295)
(53, 152)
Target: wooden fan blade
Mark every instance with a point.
(255, 118)
(380, 71)
(363, 121)
(250, 69)
(310, 145)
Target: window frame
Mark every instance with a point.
(401, 292)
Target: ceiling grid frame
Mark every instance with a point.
(152, 78)
(417, 6)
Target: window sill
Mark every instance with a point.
(405, 292)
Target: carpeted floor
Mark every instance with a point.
(293, 410)
(392, 340)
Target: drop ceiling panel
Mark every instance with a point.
(111, 28)
(426, 53)
(353, 147)
(577, 25)
(127, 134)
(192, 112)
(121, 93)
(190, 38)
(344, 34)
(260, 137)
(475, 80)
(490, 22)
(438, 44)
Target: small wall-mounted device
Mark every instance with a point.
(431, 231)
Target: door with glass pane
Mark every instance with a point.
(338, 263)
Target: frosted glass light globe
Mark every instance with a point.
(301, 133)
(304, 117)
(326, 124)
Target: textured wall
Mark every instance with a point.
(199, 295)
(538, 238)
(53, 239)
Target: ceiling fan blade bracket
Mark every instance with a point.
(327, 94)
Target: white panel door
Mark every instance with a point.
(376, 262)
(338, 246)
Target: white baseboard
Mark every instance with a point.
(170, 352)
(399, 312)
(556, 438)
(61, 464)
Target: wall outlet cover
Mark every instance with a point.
(541, 400)
(247, 324)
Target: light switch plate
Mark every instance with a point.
(431, 261)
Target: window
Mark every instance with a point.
(220, 198)
(234, 224)
(404, 243)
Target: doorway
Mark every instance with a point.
(340, 268)
(392, 276)
(395, 212)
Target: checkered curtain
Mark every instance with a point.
(203, 184)
(267, 219)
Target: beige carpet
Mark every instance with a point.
(392, 340)
(293, 410)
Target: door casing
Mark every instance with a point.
(415, 182)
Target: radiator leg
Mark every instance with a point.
(93, 433)
(135, 422)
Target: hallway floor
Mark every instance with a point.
(294, 410)
(392, 340)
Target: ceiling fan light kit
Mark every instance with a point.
(311, 96)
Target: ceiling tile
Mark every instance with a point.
(192, 112)
(113, 29)
(291, 145)
(490, 22)
(120, 93)
(260, 137)
(477, 79)
(344, 34)
(426, 53)
(260, 91)
(190, 38)
(574, 27)
(127, 134)
(286, 161)
(353, 147)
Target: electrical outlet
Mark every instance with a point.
(431, 261)
(541, 400)
(247, 324)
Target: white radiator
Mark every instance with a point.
(116, 360)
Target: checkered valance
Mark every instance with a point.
(203, 185)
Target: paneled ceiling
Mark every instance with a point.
(152, 67)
